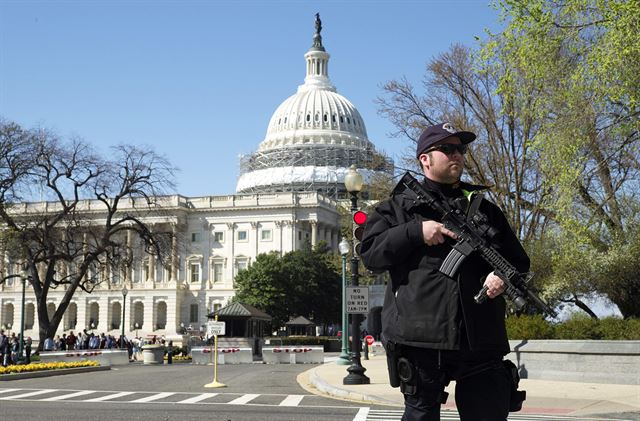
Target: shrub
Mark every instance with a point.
(529, 327)
(325, 341)
(579, 326)
(613, 328)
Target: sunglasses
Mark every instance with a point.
(449, 148)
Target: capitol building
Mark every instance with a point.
(287, 195)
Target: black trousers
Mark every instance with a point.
(483, 385)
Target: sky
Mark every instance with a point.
(199, 80)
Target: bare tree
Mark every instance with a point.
(78, 233)
(457, 89)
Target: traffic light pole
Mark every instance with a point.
(356, 370)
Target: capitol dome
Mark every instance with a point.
(312, 139)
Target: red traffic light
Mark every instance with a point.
(359, 217)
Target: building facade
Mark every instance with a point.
(214, 237)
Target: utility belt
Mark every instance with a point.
(404, 374)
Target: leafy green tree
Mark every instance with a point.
(585, 57)
(303, 282)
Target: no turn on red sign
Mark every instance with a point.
(357, 300)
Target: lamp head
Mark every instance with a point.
(343, 247)
(353, 180)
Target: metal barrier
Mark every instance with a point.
(377, 349)
(293, 354)
(227, 355)
(104, 357)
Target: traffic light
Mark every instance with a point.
(359, 219)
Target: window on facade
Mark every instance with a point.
(217, 271)
(195, 272)
(218, 236)
(193, 313)
(299, 235)
(265, 235)
(195, 237)
(242, 264)
(217, 306)
(242, 235)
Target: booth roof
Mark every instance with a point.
(300, 321)
(240, 310)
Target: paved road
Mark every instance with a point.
(254, 392)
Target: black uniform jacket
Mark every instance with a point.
(422, 306)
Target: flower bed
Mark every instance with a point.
(180, 358)
(45, 366)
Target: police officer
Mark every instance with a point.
(428, 318)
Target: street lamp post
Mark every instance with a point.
(124, 304)
(353, 182)
(344, 358)
(24, 276)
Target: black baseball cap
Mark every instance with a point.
(434, 134)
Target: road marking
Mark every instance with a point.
(69, 395)
(243, 399)
(109, 397)
(198, 398)
(292, 400)
(153, 397)
(26, 395)
(362, 414)
(8, 390)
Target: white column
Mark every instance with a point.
(103, 315)
(314, 232)
(231, 227)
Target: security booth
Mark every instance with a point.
(300, 326)
(245, 325)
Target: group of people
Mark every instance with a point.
(89, 341)
(84, 340)
(10, 349)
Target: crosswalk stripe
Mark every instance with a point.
(8, 390)
(109, 397)
(69, 395)
(153, 397)
(28, 394)
(362, 414)
(292, 400)
(198, 398)
(243, 399)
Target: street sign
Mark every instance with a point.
(369, 339)
(215, 329)
(357, 300)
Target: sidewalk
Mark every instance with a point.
(543, 397)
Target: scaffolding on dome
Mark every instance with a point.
(317, 156)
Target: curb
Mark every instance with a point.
(324, 387)
(49, 373)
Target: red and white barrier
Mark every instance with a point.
(302, 354)
(230, 355)
(104, 357)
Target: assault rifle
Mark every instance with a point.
(474, 235)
